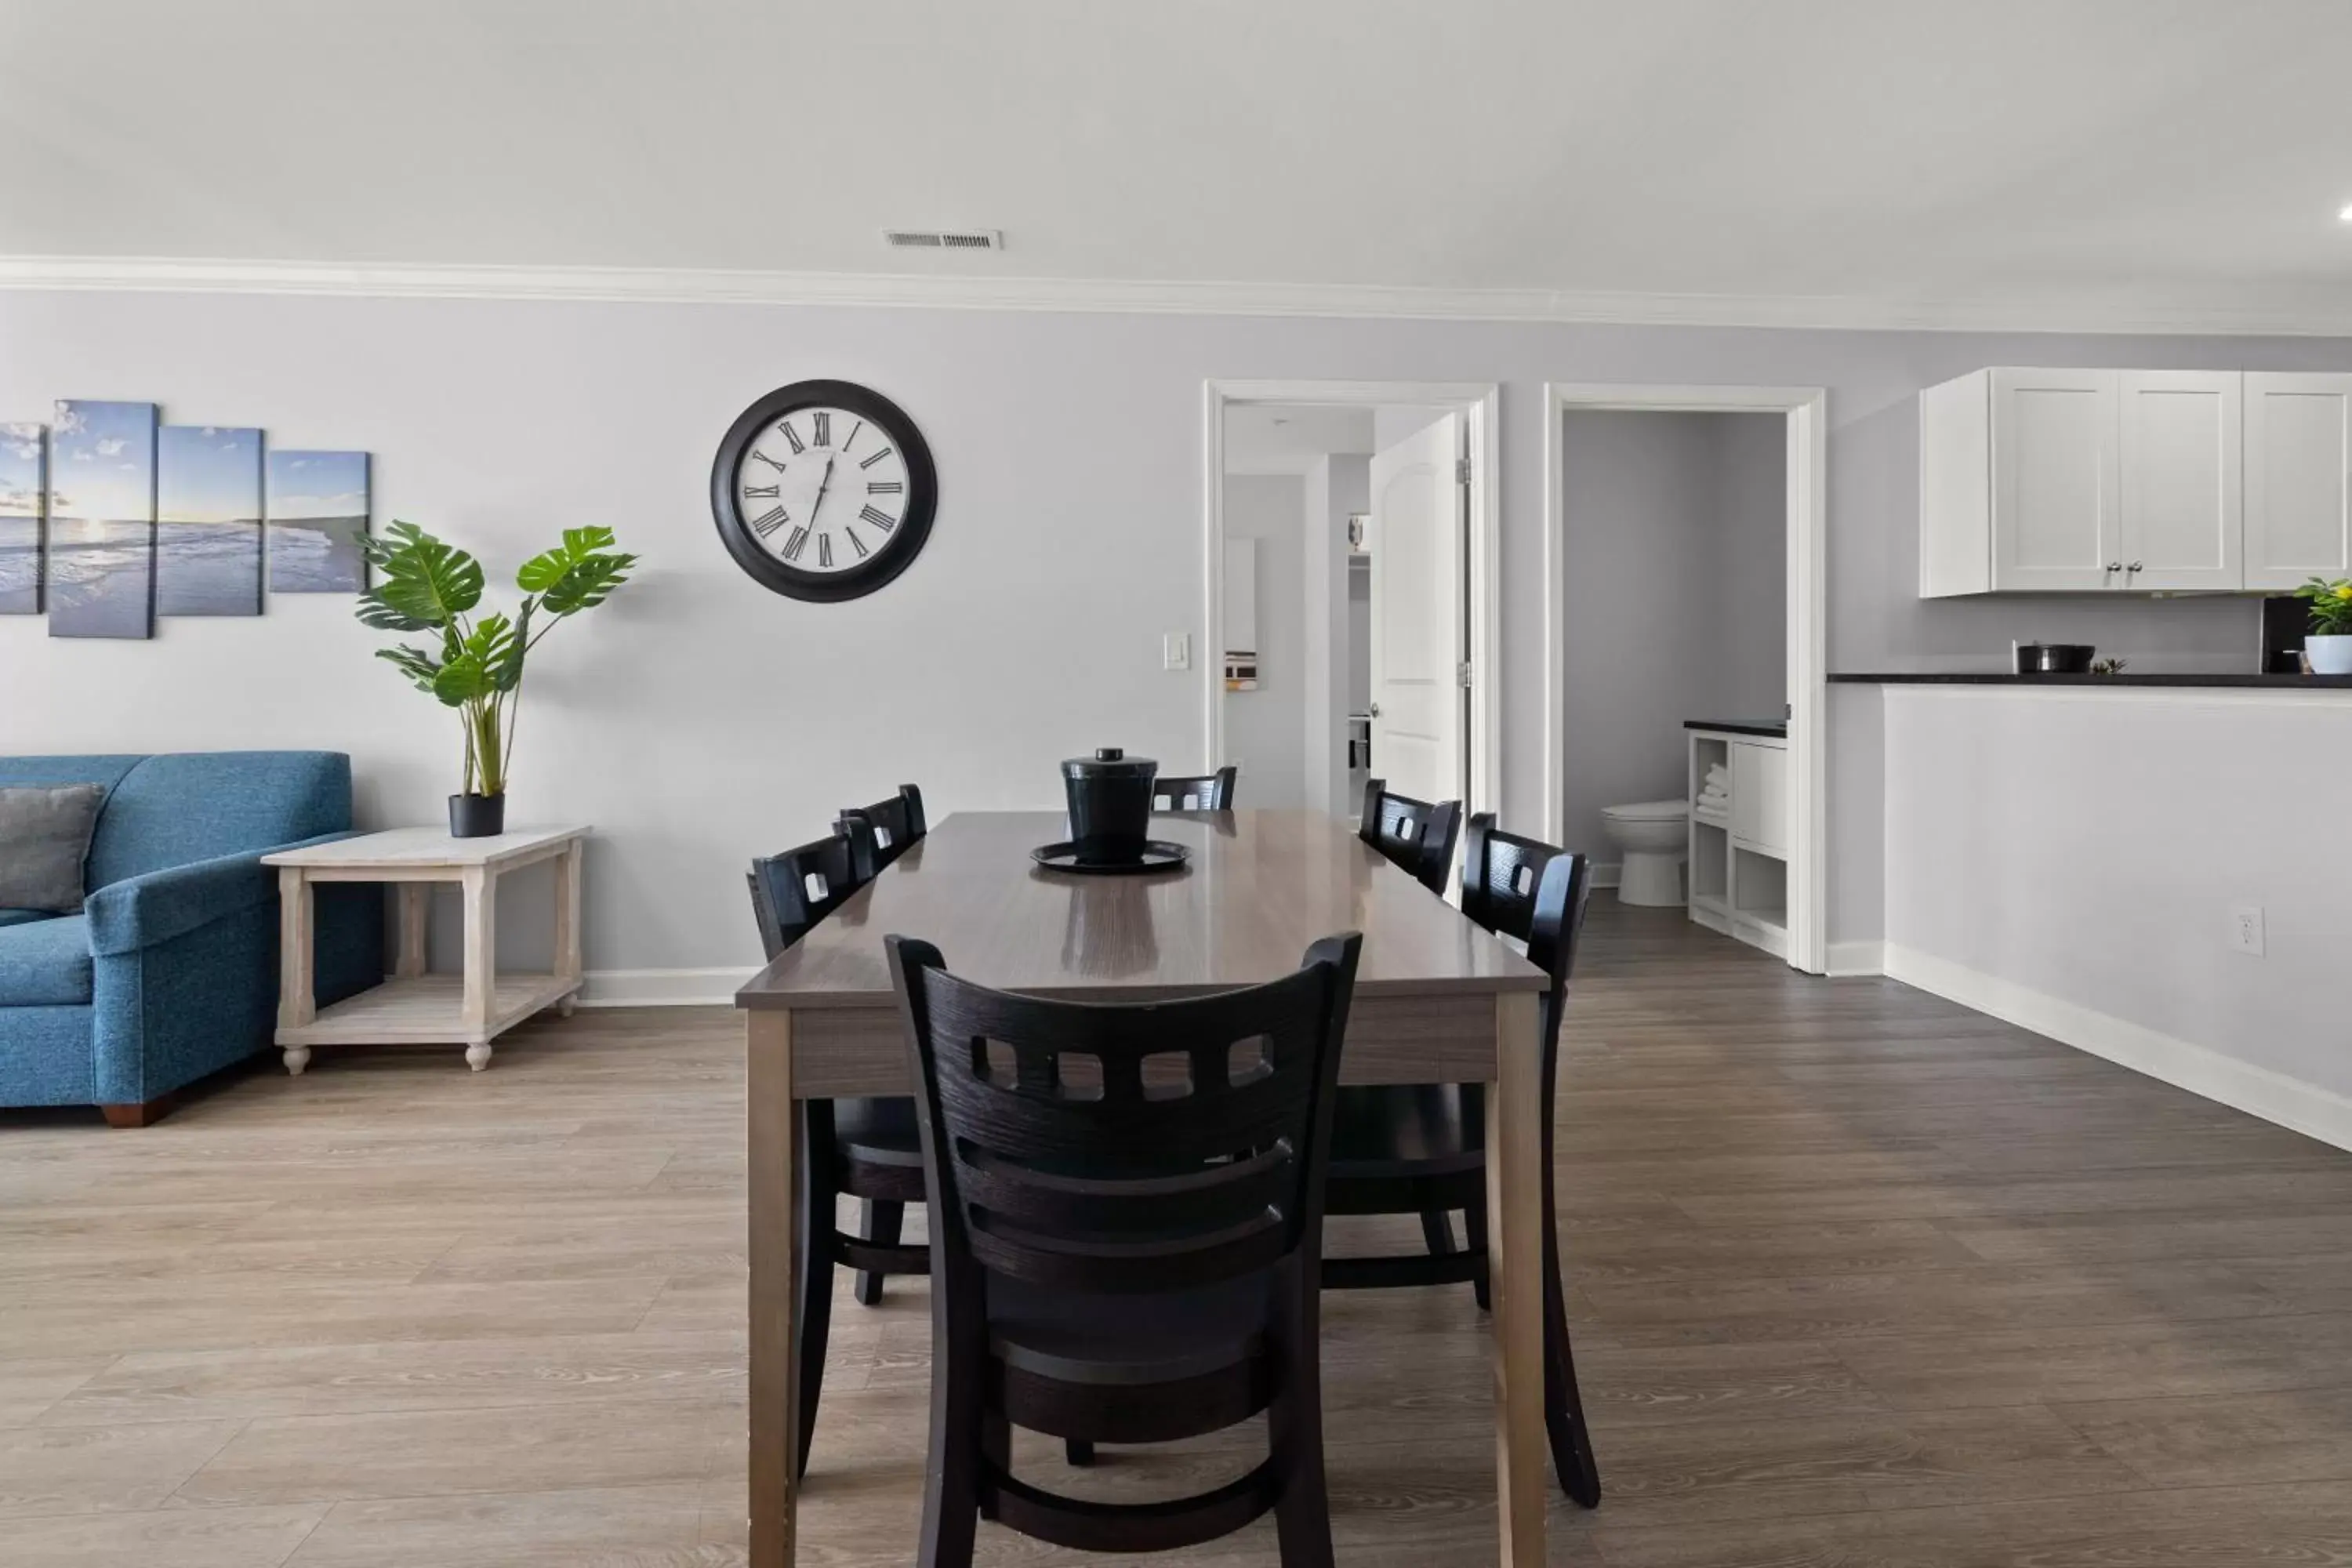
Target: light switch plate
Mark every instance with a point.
(2246, 928)
(1176, 651)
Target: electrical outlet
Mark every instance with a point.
(2246, 928)
(1176, 651)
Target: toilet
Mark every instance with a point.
(1655, 838)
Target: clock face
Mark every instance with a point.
(823, 491)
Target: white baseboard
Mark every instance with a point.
(1850, 960)
(662, 987)
(2258, 1091)
(1608, 873)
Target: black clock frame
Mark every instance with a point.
(896, 553)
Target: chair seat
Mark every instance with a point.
(1387, 1130)
(879, 1129)
(1070, 1336)
(46, 963)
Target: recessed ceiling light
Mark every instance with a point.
(2345, 216)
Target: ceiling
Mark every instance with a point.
(1870, 161)
(1287, 439)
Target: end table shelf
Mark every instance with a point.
(413, 1006)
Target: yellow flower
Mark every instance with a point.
(2344, 590)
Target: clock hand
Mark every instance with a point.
(822, 485)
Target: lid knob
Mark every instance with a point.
(1110, 753)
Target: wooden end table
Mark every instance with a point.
(414, 1006)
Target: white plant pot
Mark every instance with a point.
(2329, 655)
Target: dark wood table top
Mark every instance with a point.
(1261, 886)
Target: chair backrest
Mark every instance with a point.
(793, 890)
(1131, 1149)
(1535, 891)
(897, 821)
(1417, 834)
(1202, 792)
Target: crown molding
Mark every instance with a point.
(2107, 312)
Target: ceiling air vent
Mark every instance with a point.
(944, 238)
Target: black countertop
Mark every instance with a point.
(1997, 678)
(1778, 727)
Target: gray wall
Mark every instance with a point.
(1675, 593)
(1265, 730)
(699, 718)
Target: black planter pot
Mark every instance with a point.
(477, 815)
(1110, 796)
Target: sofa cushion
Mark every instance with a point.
(45, 832)
(24, 916)
(46, 963)
(177, 807)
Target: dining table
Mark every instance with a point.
(1437, 999)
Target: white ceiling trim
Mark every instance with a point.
(2110, 312)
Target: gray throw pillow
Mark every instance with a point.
(44, 838)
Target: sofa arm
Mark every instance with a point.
(144, 911)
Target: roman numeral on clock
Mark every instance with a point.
(854, 542)
(768, 521)
(878, 518)
(824, 550)
(854, 429)
(792, 435)
(770, 461)
(883, 487)
(753, 492)
(795, 544)
(823, 436)
(869, 462)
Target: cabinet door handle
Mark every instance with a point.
(2133, 567)
(2115, 565)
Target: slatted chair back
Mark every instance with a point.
(791, 891)
(1525, 888)
(1131, 1149)
(1417, 834)
(896, 820)
(1201, 792)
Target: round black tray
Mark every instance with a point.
(1158, 856)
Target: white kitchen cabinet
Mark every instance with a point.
(2183, 526)
(2034, 481)
(2298, 488)
(1759, 795)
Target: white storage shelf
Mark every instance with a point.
(1739, 854)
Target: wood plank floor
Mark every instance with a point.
(1857, 1278)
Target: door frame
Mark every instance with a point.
(1479, 403)
(1806, 413)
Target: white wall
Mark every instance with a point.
(1674, 596)
(700, 719)
(2067, 858)
(1265, 730)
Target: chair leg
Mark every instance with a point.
(1078, 1452)
(1302, 1509)
(1474, 1230)
(1572, 1438)
(1437, 1230)
(813, 1264)
(963, 1427)
(883, 1219)
(996, 1447)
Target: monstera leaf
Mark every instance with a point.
(427, 582)
(413, 663)
(473, 672)
(578, 574)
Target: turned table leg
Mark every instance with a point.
(481, 892)
(297, 1001)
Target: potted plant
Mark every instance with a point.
(428, 585)
(2328, 644)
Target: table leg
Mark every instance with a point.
(298, 1000)
(1515, 1178)
(413, 900)
(567, 924)
(479, 887)
(769, 1128)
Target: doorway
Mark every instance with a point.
(1801, 415)
(1350, 543)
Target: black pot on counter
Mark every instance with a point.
(1110, 805)
(2054, 658)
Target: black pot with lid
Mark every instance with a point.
(1110, 805)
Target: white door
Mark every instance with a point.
(1416, 621)
(2298, 479)
(2057, 515)
(2182, 455)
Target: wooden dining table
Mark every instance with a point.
(1438, 1000)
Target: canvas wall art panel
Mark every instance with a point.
(102, 565)
(318, 515)
(24, 506)
(208, 521)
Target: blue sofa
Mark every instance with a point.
(170, 970)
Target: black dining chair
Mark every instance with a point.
(896, 820)
(1417, 834)
(1201, 791)
(1126, 1214)
(1421, 1148)
(866, 1147)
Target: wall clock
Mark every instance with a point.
(823, 491)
